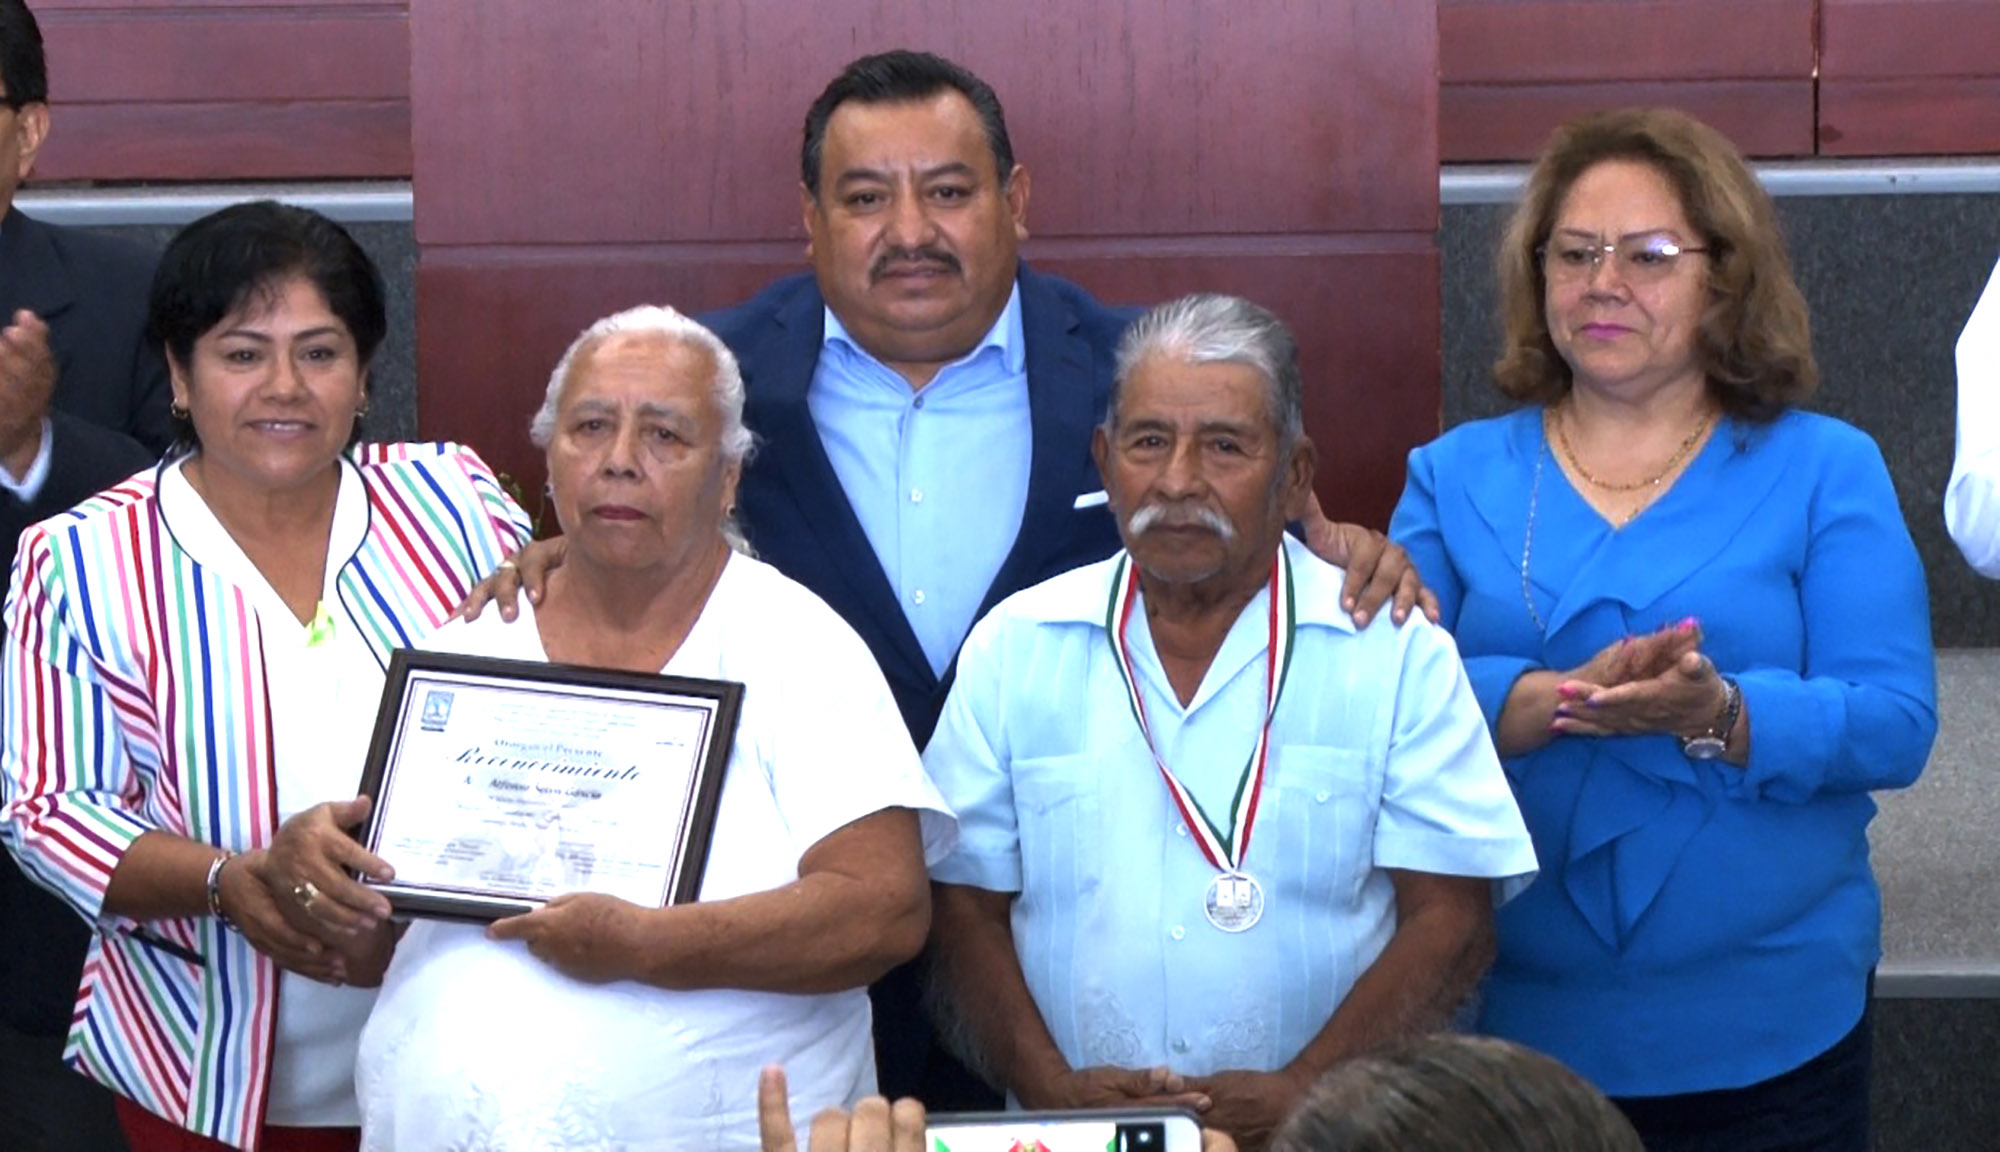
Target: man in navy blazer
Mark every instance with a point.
(915, 209)
(75, 366)
(83, 396)
(83, 404)
(924, 404)
(798, 515)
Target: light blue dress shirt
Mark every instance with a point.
(938, 476)
(1379, 759)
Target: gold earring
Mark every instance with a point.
(177, 410)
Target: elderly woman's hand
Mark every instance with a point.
(874, 1126)
(584, 935)
(307, 873)
(526, 571)
(1684, 699)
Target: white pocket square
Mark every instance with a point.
(1092, 499)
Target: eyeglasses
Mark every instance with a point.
(1642, 259)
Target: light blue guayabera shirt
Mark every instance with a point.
(1379, 759)
(937, 477)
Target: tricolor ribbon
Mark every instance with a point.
(1225, 851)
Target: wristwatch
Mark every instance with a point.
(1710, 745)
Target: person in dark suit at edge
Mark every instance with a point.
(83, 404)
(924, 402)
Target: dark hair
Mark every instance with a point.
(214, 266)
(23, 69)
(903, 77)
(1755, 342)
(1453, 1093)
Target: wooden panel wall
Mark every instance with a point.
(1514, 69)
(1909, 77)
(1780, 77)
(1277, 148)
(156, 90)
(226, 89)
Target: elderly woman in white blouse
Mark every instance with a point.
(594, 1022)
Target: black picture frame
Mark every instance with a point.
(434, 675)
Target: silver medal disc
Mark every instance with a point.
(1234, 902)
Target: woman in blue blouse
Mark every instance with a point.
(1699, 630)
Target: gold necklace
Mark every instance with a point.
(1653, 481)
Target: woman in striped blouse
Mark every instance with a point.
(193, 657)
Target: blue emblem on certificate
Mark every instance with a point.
(437, 710)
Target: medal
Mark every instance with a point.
(1234, 901)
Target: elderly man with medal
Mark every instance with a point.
(1214, 837)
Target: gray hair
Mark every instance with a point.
(660, 320)
(1208, 328)
(1454, 1093)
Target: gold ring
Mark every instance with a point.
(305, 893)
(508, 564)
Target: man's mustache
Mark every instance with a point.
(911, 260)
(1180, 516)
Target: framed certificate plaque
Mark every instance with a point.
(500, 784)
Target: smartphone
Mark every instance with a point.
(1128, 1130)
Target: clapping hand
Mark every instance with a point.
(27, 383)
(1658, 682)
(1684, 699)
(1634, 658)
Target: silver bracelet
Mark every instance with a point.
(215, 889)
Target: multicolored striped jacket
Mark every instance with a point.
(132, 680)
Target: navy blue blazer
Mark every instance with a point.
(108, 420)
(92, 290)
(799, 519)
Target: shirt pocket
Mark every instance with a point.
(1058, 820)
(1322, 827)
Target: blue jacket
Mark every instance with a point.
(799, 520)
(1696, 925)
